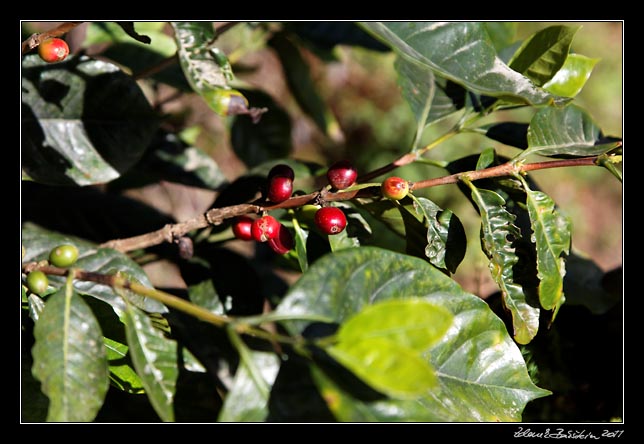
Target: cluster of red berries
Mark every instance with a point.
(329, 220)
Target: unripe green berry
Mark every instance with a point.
(63, 256)
(37, 282)
(395, 188)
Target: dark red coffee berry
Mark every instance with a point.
(280, 188)
(330, 220)
(265, 228)
(283, 242)
(342, 174)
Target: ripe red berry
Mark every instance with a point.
(265, 228)
(281, 170)
(53, 50)
(395, 188)
(283, 242)
(280, 188)
(342, 174)
(330, 220)
(241, 228)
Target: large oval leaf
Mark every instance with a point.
(155, 360)
(70, 359)
(544, 53)
(572, 76)
(73, 129)
(481, 373)
(565, 131)
(462, 52)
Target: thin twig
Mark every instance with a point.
(36, 39)
(216, 216)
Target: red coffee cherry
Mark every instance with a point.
(283, 242)
(330, 220)
(395, 188)
(53, 50)
(242, 228)
(280, 188)
(265, 228)
(281, 170)
(342, 174)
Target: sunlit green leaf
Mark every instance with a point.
(571, 78)
(569, 130)
(544, 53)
(480, 371)
(497, 233)
(551, 234)
(155, 360)
(462, 52)
(70, 359)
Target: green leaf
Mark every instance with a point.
(412, 323)
(390, 368)
(69, 359)
(573, 75)
(39, 242)
(301, 85)
(497, 233)
(566, 131)
(122, 374)
(544, 53)
(583, 285)
(73, 129)
(245, 402)
(443, 228)
(461, 52)
(552, 238)
(301, 235)
(502, 34)
(481, 373)
(155, 360)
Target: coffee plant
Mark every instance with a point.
(316, 284)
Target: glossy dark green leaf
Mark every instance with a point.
(70, 359)
(298, 76)
(544, 53)
(462, 52)
(155, 360)
(446, 242)
(497, 233)
(244, 402)
(73, 131)
(571, 78)
(268, 139)
(301, 235)
(481, 373)
(552, 236)
(39, 242)
(566, 131)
